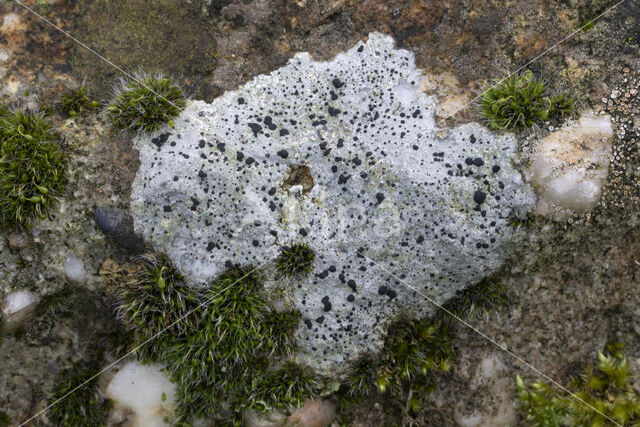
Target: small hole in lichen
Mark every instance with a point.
(299, 175)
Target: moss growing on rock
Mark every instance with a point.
(76, 101)
(218, 343)
(83, 406)
(519, 101)
(32, 169)
(477, 300)
(415, 352)
(145, 102)
(295, 259)
(608, 387)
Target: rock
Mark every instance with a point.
(314, 413)
(18, 240)
(74, 269)
(492, 385)
(143, 391)
(571, 165)
(17, 308)
(118, 224)
(345, 156)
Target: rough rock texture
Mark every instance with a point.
(344, 156)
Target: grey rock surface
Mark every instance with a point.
(346, 156)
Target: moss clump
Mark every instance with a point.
(155, 298)
(83, 406)
(608, 387)
(219, 342)
(415, 352)
(519, 101)
(5, 419)
(477, 300)
(76, 101)
(144, 103)
(286, 389)
(32, 169)
(295, 260)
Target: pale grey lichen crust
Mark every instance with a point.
(432, 210)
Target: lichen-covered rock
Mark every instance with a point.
(344, 156)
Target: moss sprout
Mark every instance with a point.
(362, 381)
(477, 300)
(82, 407)
(519, 101)
(144, 103)
(295, 260)
(75, 102)
(608, 387)
(32, 169)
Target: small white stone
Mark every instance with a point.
(571, 165)
(17, 307)
(74, 269)
(144, 391)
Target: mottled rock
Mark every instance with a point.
(345, 156)
(571, 165)
(118, 224)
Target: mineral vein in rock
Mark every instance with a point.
(227, 185)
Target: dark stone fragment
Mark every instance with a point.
(350, 298)
(478, 161)
(379, 197)
(118, 224)
(382, 290)
(308, 323)
(495, 168)
(320, 319)
(337, 83)
(220, 146)
(202, 174)
(283, 153)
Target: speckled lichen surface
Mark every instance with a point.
(225, 187)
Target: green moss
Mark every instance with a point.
(477, 300)
(32, 169)
(76, 101)
(144, 103)
(295, 260)
(83, 406)
(285, 389)
(221, 350)
(155, 298)
(519, 101)
(5, 419)
(608, 387)
(415, 352)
